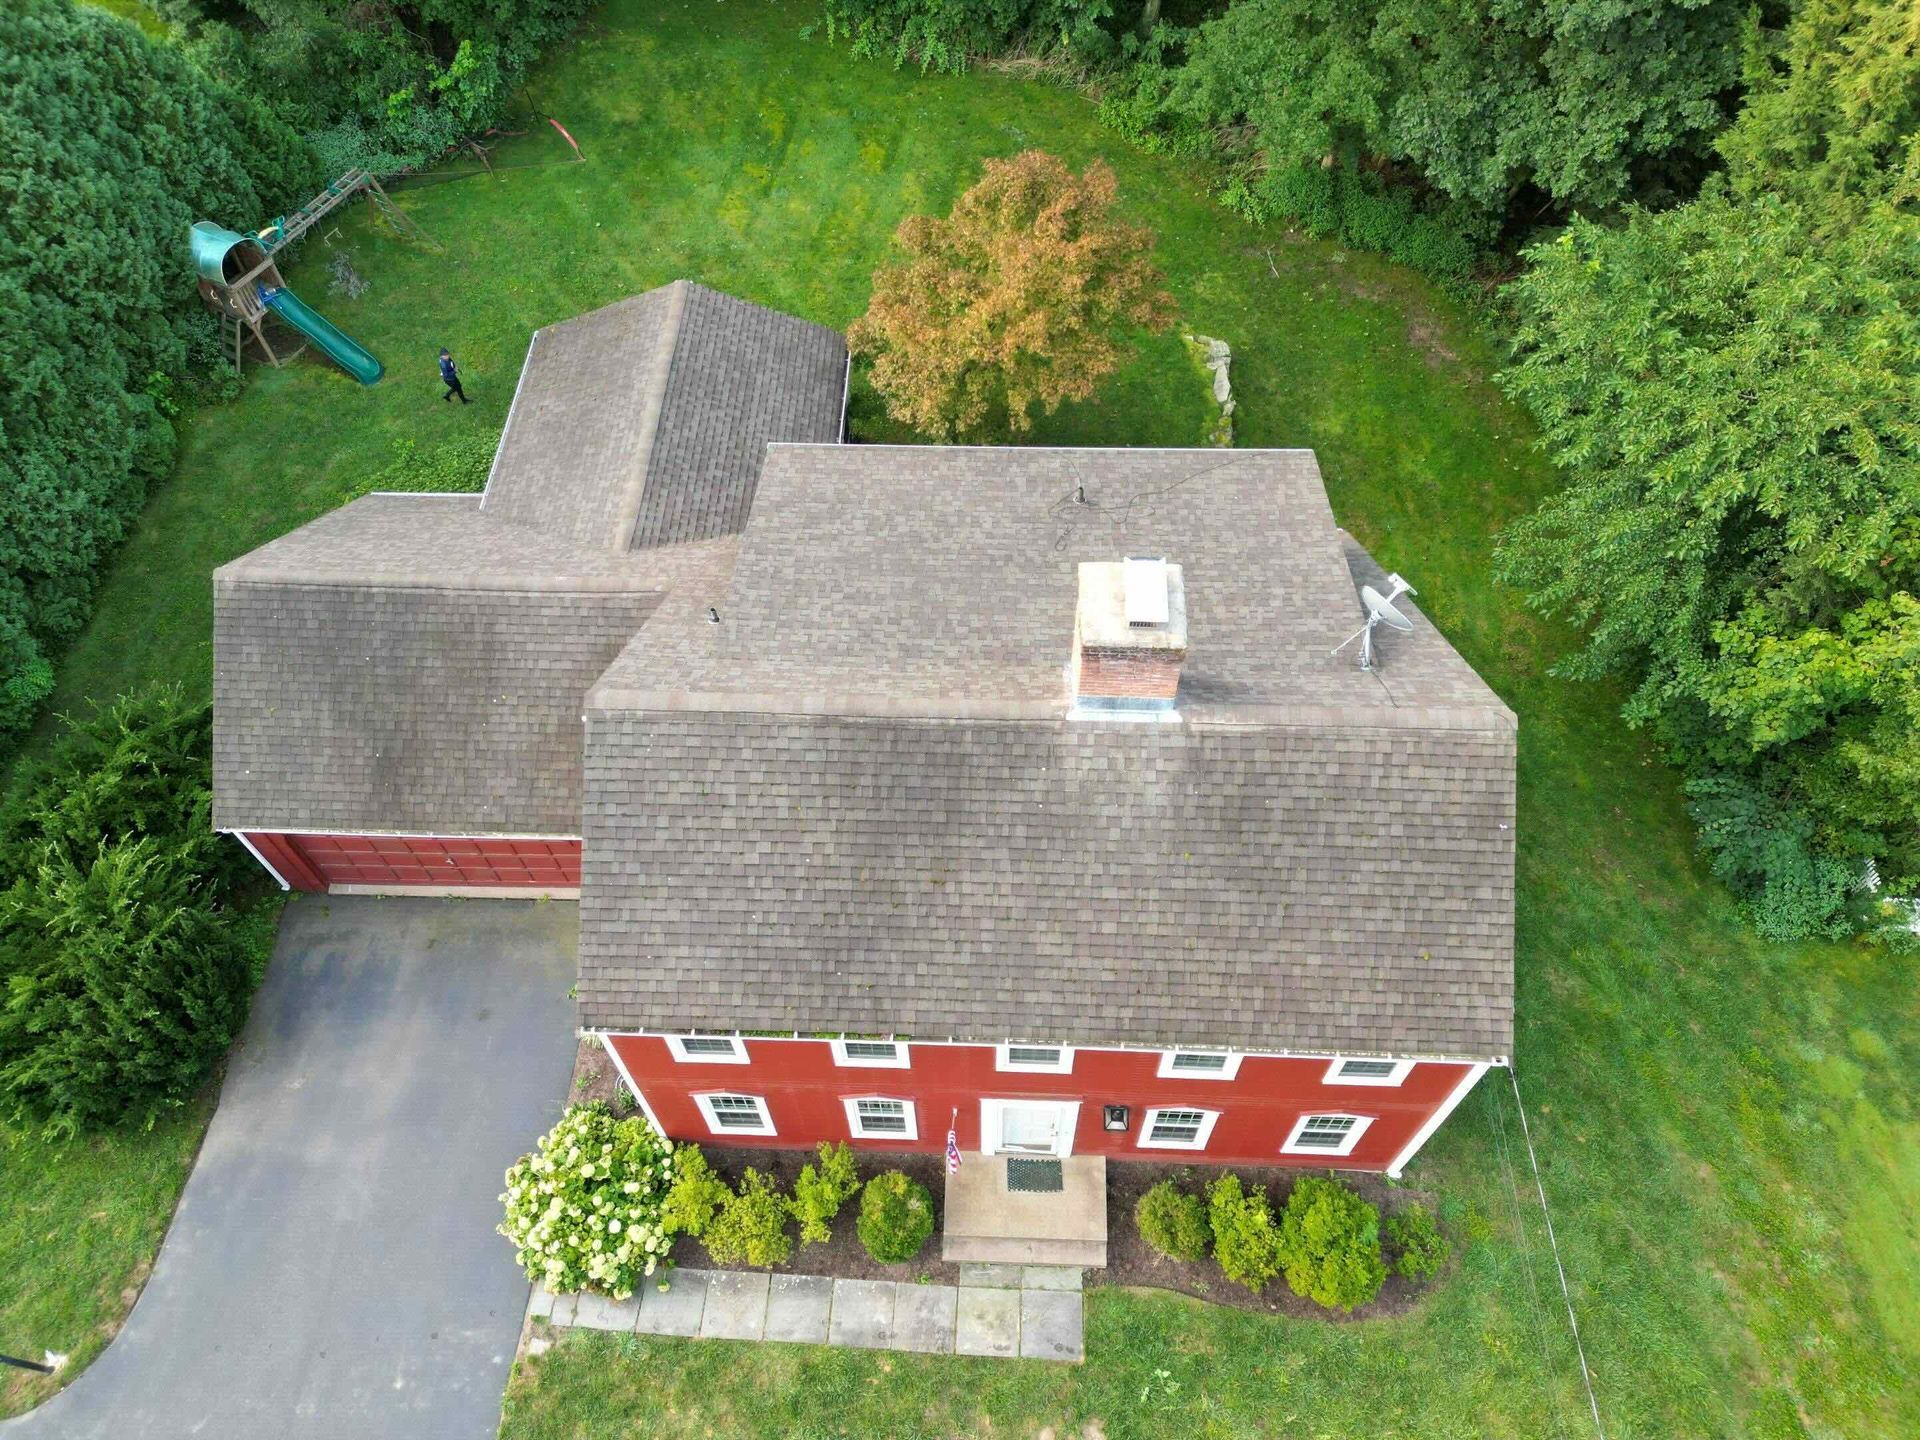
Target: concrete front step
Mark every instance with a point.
(999, 1250)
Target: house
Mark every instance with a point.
(1016, 791)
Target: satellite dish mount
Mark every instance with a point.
(1380, 611)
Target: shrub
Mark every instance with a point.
(583, 1209)
(1244, 1240)
(1330, 1244)
(896, 1217)
(124, 984)
(1173, 1221)
(695, 1195)
(751, 1228)
(819, 1194)
(1422, 1249)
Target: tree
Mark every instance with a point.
(1583, 100)
(1015, 300)
(1732, 389)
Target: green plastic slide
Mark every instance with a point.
(332, 341)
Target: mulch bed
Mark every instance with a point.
(842, 1257)
(1131, 1261)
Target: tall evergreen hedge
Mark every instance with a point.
(110, 147)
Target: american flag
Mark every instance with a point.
(953, 1145)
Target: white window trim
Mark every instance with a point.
(705, 1102)
(900, 1060)
(1199, 1142)
(1401, 1069)
(1227, 1072)
(1063, 1066)
(675, 1043)
(855, 1129)
(1361, 1125)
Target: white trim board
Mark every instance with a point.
(253, 850)
(1437, 1119)
(606, 1043)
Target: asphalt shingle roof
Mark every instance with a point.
(406, 664)
(857, 802)
(644, 423)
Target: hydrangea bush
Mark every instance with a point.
(584, 1209)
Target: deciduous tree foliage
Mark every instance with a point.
(1019, 298)
(109, 149)
(1584, 101)
(1733, 387)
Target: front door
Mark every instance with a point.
(1028, 1127)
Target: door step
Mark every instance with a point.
(996, 1250)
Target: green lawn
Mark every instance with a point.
(1732, 1157)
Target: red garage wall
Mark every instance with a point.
(319, 862)
(803, 1089)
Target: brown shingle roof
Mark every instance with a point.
(857, 802)
(407, 664)
(644, 423)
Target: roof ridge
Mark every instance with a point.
(633, 497)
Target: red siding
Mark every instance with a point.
(316, 862)
(803, 1089)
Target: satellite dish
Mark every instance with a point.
(1380, 611)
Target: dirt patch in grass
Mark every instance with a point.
(1424, 334)
(1133, 1262)
(595, 1078)
(842, 1257)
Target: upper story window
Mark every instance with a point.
(708, 1049)
(881, 1054)
(1199, 1064)
(1326, 1134)
(735, 1114)
(1035, 1059)
(1367, 1072)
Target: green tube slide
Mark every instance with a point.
(332, 341)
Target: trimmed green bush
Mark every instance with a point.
(751, 1228)
(819, 1194)
(1420, 1247)
(583, 1210)
(695, 1196)
(124, 972)
(1330, 1244)
(1174, 1222)
(1244, 1239)
(896, 1217)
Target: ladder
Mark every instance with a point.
(357, 181)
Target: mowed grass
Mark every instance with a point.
(79, 1225)
(1726, 1127)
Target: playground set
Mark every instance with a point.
(240, 281)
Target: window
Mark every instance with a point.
(1326, 1134)
(1177, 1128)
(1367, 1072)
(708, 1049)
(1036, 1059)
(873, 1118)
(1199, 1064)
(881, 1054)
(735, 1114)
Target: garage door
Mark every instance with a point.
(408, 861)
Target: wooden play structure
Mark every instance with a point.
(240, 281)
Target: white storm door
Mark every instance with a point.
(1028, 1127)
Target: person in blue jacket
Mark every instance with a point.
(450, 373)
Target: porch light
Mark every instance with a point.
(1114, 1117)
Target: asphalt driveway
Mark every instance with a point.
(333, 1270)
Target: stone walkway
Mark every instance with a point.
(1032, 1311)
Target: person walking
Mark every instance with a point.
(450, 373)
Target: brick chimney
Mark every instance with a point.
(1129, 636)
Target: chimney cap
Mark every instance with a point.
(1132, 604)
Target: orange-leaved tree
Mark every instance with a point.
(1019, 297)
